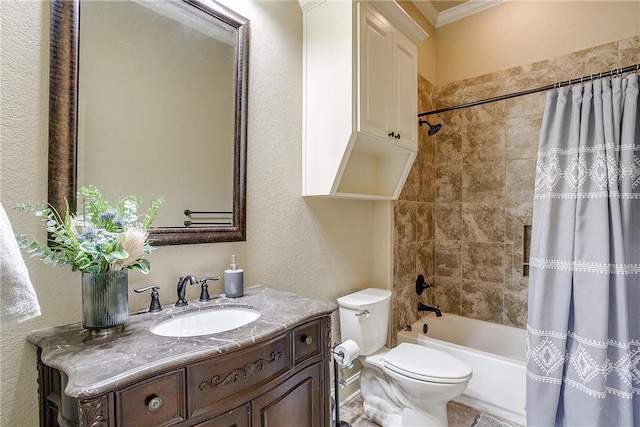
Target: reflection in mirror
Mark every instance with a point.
(160, 111)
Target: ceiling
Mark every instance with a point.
(442, 12)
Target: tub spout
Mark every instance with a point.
(436, 309)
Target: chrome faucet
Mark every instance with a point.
(436, 309)
(182, 288)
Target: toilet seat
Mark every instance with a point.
(426, 364)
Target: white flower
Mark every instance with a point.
(132, 240)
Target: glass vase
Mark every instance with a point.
(105, 301)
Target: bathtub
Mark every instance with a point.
(495, 352)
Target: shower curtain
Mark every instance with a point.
(583, 328)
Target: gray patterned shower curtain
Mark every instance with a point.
(583, 328)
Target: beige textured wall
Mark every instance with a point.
(516, 33)
(319, 248)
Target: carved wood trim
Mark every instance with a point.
(246, 371)
(94, 413)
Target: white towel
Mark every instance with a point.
(18, 300)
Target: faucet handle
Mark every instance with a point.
(204, 291)
(155, 301)
(421, 284)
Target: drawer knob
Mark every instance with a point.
(154, 404)
(306, 339)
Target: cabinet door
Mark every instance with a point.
(296, 402)
(405, 93)
(238, 417)
(375, 73)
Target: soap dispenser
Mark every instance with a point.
(234, 280)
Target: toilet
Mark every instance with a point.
(408, 385)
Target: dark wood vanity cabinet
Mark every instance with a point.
(280, 382)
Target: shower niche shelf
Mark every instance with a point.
(360, 135)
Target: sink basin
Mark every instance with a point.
(204, 322)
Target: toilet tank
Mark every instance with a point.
(364, 318)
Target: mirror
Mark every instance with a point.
(171, 75)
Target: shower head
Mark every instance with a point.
(433, 129)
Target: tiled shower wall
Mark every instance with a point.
(461, 216)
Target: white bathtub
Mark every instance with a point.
(495, 352)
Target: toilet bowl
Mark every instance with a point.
(408, 385)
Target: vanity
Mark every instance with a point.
(273, 371)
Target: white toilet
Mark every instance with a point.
(408, 385)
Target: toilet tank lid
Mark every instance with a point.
(364, 298)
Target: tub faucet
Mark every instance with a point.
(182, 288)
(436, 309)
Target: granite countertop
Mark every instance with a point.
(98, 364)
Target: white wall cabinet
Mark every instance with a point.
(360, 98)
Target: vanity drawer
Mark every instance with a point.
(159, 401)
(239, 372)
(306, 341)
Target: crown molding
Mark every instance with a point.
(428, 10)
(308, 4)
(464, 10)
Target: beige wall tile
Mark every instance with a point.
(526, 105)
(448, 258)
(629, 52)
(515, 309)
(447, 294)
(521, 137)
(586, 62)
(483, 222)
(404, 265)
(448, 224)
(425, 252)
(483, 261)
(427, 183)
(531, 76)
(411, 187)
(483, 181)
(520, 179)
(484, 113)
(404, 215)
(484, 142)
(449, 95)
(448, 183)
(404, 307)
(426, 90)
(481, 300)
(448, 149)
(485, 86)
(425, 222)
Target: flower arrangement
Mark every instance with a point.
(103, 238)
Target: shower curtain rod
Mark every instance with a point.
(616, 71)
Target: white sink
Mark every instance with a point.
(204, 322)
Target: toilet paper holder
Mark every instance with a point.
(341, 355)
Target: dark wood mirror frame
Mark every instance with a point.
(63, 95)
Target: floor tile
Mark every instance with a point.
(458, 415)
